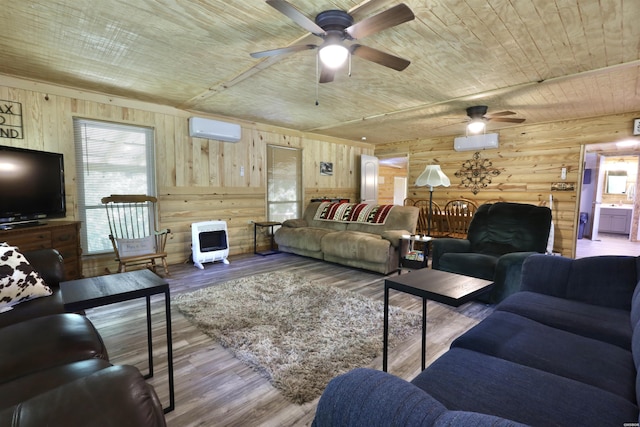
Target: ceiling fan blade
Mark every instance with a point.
(506, 119)
(379, 57)
(296, 16)
(387, 19)
(283, 50)
(501, 113)
(327, 75)
(367, 8)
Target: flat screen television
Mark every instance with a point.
(31, 186)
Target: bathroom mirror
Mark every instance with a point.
(616, 182)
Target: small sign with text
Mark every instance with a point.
(11, 120)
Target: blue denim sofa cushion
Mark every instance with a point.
(589, 274)
(527, 342)
(602, 323)
(607, 281)
(465, 380)
(635, 306)
(364, 397)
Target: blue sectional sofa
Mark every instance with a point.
(563, 351)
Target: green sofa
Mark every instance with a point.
(500, 237)
(370, 246)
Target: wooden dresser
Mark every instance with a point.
(64, 236)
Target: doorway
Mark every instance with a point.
(392, 180)
(609, 215)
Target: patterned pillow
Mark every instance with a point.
(18, 280)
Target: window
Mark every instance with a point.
(284, 180)
(110, 159)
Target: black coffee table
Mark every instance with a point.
(440, 286)
(83, 294)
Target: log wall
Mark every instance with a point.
(197, 179)
(529, 160)
(200, 179)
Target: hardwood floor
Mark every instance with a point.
(212, 388)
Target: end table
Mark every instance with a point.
(272, 250)
(422, 258)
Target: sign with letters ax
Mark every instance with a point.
(11, 120)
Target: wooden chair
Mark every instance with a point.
(134, 231)
(421, 227)
(459, 213)
(408, 202)
(438, 227)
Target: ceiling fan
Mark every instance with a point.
(478, 118)
(336, 28)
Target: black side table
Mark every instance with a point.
(440, 286)
(91, 292)
(411, 264)
(272, 250)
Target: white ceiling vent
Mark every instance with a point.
(214, 129)
(476, 142)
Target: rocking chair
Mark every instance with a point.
(133, 231)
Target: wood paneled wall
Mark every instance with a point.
(197, 179)
(200, 179)
(529, 159)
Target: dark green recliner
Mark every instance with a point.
(500, 237)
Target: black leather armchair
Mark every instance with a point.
(54, 366)
(501, 235)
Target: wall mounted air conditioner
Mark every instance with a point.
(476, 142)
(214, 129)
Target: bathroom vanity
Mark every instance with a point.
(615, 219)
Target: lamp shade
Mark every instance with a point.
(433, 176)
(333, 55)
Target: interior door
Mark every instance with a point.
(369, 179)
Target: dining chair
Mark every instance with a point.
(439, 226)
(459, 213)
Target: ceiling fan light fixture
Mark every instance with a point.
(333, 55)
(476, 126)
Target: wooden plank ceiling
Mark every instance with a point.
(542, 59)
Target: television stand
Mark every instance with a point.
(63, 236)
(24, 224)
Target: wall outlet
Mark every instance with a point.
(241, 170)
(563, 173)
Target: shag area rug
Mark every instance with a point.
(295, 332)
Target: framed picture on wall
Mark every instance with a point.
(326, 168)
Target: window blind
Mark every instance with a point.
(111, 158)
